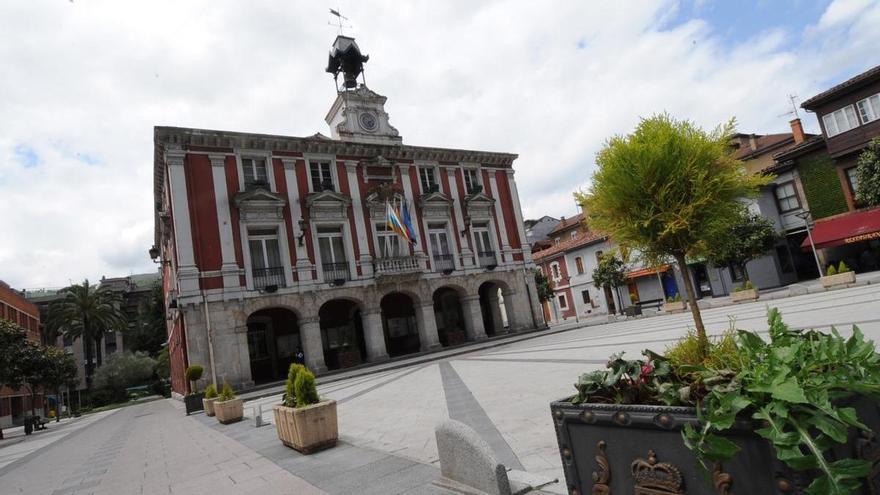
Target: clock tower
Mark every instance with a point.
(358, 114)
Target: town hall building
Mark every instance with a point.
(276, 246)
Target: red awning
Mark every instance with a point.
(644, 272)
(845, 229)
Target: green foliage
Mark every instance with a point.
(163, 364)
(194, 373)
(12, 340)
(226, 393)
(624, 381)
(545, 292)
(306, 392)
(61, 368)
(611, 271)
(749, 237)
(211, 391)
(289, 398)
(842, 268)
(830, 271)
(868, 175)
(822, 186)
(123, 370)
(147, 331)
(723, 354)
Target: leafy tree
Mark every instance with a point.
(87, 312)
(663, 190)
(124, 370)
(12, 341)
(868, 174)
(750, 237)
(611, 273)
(545, 292)
(148, 332)
(34, 365)
(61, 370)
(163, 364)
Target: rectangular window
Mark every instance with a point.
(440, 251)
(786, 197)
(485, 251)
(255, 173)
(472, 181)
(332, 249)
(322, 179)
(556, 241)
(586, 295)
(869, 108)
(428, 179)
(579, 264)
(574, 234)
(840, 121)
(554, 271)
(389, 242)
(563, 302)
(266, 266)
(853, 180)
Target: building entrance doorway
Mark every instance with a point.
(273, 341)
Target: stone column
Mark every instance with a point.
(229, 267)
(537, 312)
(427, 323)
(243, 356)
(374, 335)
(516, 306)
(360, 226)
(495, 306)
(313, 348)
(473, 318)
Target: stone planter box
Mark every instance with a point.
(347, 359)
(626, 449)
(674, 306)
(229, 411)
(455, 337)
(307, 429)
(744, 295)
(193, 402)
(839, 279)
(209, 406)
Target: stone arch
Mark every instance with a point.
(399, 322)
(449, 314)
(495, 314)
(274, 341)
(342, 332)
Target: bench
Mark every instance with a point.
(136, 392)
(39, 423)
(651, 303)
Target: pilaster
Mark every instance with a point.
(365, 260)
(467, 255)
(187, 272)
(229, 267)
(517, 211)
(499, 220)
(303, 266)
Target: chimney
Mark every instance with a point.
(752, 144)
(797, 130)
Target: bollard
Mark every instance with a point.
(258, 415)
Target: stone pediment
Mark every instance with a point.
(435, 205)
(259, 204)
(328, 205)
(479, 206)
(376, 202)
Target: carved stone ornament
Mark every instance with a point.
(722, 481)
(656, 478)
(435, 205)
(479, 206)
(259, 205)
(602, 477)
(328, 205)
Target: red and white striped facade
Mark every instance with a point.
(209, 219)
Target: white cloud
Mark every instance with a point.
(85, 82)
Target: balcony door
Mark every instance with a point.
(440, 250)
(266, 266)
(332, 248)
(389, 242)
(485, 252)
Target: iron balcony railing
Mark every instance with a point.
(443, 263)
(396, 265)
(334, 272)
(487, 258)
(264, 277)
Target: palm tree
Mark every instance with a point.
(87, 312)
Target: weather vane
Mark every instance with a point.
(341, 22)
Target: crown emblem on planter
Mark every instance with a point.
(656, 478)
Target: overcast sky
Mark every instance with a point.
(83, 83)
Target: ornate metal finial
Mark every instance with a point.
(346, 57)
(602, 477)
(656, 478)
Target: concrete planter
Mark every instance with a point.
(674, 307)
(193, 402)
(839, 279)
(307, 429)
(744, 295)
(613, 448)
(229, 411)
(209, 406)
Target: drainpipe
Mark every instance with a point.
(210, 339)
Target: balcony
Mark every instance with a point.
(443, 263)
(337, 273)
(487, 259)
(397, 267)
(269, 278)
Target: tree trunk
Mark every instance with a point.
(98, 356)
(692, 302)
(90, 367)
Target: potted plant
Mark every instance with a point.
(227, 407)
(747, 292)
(193, 400)
(674, 304)
(303, 421)
(843, 275)
(210, 397)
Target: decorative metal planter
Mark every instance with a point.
(744, 295)
(839, 279)
(633, 449)
(193, 402)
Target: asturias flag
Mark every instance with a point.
(407, 222)
(394, 222)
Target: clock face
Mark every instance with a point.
(368, 121)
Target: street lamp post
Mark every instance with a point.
(804, 215)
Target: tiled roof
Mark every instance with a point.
(566, 223)
(762, 145)
(797, 150)
(570, 244)
(864, 77)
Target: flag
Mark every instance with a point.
(407, 222)
(394, 223)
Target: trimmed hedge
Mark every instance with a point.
(822, 186)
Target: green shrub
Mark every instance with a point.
(306, 392)
(677, 297)
(748, 285)
(723, 353)
(210, 391)
(842, 268)
(194, 372)
(831, 271)
(226, 394)
(289, 399)
(123, 370)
